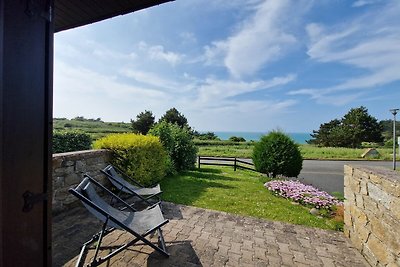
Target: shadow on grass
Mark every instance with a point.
(209, 174)
(189, 186)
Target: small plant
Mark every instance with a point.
(277, 154)
(303, 194)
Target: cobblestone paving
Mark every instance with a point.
(200, 237)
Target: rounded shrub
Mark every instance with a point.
(179, 144)
(277, 154)
(237, 139)
(66, 141)
(139, 156)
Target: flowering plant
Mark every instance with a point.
(304, 194)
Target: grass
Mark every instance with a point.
(245, 150)
(96, 129)
(241, 192)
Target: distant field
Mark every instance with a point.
(96, 129)
(244, 150)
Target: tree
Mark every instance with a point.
(144, 122)
(355, 127)
(205, 136)
(323, 137)
(237, 139)
(175, 117)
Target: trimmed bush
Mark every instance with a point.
(139, 156)
(277, 154)
(66, 141)
(237, 139)
(179, 144)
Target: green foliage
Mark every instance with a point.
(355, 127)
(277, 154)
(95, 128)
(205, 136)
(66, 141)
(237, 139)
(144, 122)
(387, 126)
(178, 143)
(175, 117)
(141, 157)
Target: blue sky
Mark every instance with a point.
(239, 65)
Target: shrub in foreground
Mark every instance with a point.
(141, 157)
(66, 141)
(179, 145)
(277, 154)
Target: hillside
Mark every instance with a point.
(96, 128)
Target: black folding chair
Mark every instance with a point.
(138, 223)
(120, 181)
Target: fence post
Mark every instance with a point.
(234, 165)
(198, 161)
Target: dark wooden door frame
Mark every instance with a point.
(26, 69)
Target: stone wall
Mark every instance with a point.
(68, 170)
(372, 213)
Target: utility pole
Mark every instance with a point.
(394, 112)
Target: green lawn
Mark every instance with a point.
(241, 192)
(245, 150)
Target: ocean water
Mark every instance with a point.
(299, 138)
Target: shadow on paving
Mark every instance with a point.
(200, 237)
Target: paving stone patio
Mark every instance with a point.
(200, 237)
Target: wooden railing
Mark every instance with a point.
(225, 161)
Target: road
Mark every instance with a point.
(328, 175)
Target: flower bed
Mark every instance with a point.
(304, 194)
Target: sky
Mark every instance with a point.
(238, 65)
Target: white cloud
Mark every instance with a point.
(369, 43)
(215, 90)
(157, 52)
(361, 3)
(263, 38)
(85, 91)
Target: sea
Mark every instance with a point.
(299, 138)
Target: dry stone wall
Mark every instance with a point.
(68, 170)
(372, 213)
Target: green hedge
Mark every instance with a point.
(66, 141)
(141, 157)
(198, 142)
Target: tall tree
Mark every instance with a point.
(175, 117)
(144, 121)
(362, 126)
(355, 127)
(323, 136)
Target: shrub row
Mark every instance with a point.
(198, 142)
(148, 158)
(66, 141)
(141, 157)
